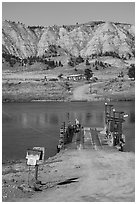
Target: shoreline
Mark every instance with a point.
(102, 90)
(65, 164)
(22, 161)
(100, 100)
(85, 173)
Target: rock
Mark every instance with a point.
(77, 167)
(25, 188)
(13, 180)
(4, 181)
(37, 187)
(86, 40)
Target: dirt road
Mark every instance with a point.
(85, 92)
(90, 176)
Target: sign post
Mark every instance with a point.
(35, 157)
(36, 173)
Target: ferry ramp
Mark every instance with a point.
(91, 138)
(89, 141)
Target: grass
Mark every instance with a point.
(28, 83)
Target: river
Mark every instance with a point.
(25, 125)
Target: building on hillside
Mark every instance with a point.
(75, 77)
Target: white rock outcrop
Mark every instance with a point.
(84, 39)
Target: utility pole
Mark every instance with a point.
(108, 113)
(90, 88)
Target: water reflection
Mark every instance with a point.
(53, 119)
(40, 119)
(40, 123)
(88, 117)
(24, 120)
(100, 117)
(132, 117)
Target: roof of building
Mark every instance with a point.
(75, 75)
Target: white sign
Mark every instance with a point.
(42, 154)
(32, 157)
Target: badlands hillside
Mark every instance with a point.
(34, 58)
(89, 39)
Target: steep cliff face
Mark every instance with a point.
(110, 37)
(18, 40)
(94, 38)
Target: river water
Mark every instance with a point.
(26, 125)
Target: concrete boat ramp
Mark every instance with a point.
(92, 140)
(92, 134)
(94, 173)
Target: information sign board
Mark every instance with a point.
(42, 154)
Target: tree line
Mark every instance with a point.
(12, 60)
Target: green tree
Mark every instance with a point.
(60, 75)
(121, 74)
(12, 62)
(87, 62)
(79, 60)
(131, 71)
(60, 64)
(57, 64)
(71, 62)
(51, 63)
(88, 74)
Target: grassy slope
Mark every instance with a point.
(27, 83)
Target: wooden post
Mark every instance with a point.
(36, 173)
(119, 127)
(63, 134)
(105, 113)
(108, 113)
(68, 116)
(113, 124)
(90, 88)
(119, 122)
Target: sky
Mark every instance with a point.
(67, 13)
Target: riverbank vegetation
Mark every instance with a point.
(37, 80)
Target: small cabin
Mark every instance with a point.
(76, 77)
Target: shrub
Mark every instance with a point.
(79, 60)
(87, 62)
(60, 76)
(71, 62)
(131, 71)
(88, 74)
(75, 60)
(53, 79)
